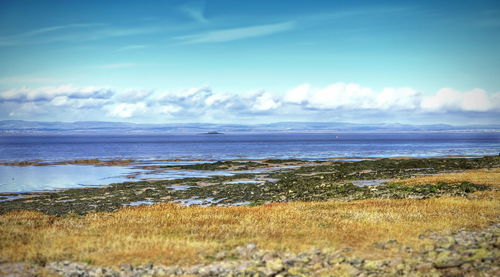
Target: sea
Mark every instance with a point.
(189, 148)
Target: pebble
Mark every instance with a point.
(462, 253)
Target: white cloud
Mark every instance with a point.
(298, 95)
(495, 100)
(340, 95)
(477, 100)
(189, 99)
(338, 101)
(133, 95)
(352, 96)
(140, 109)
(219, 99)
(356, 97)
(59, 100)
(237, 33)
(397, 98)
(49, 93)
(195, 94)
(445, 98)
(448, 99)
(169, 109)
(125, 110)
(78, 103)
(263, 101)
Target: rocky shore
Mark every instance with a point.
(294, 180)
(463, 253)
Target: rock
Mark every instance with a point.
(462, 253)
(247, 250)
(424, 267)
(395, 262)
(336, 260)
(477, 254)
(220, 255)
(268, 257)
(371, 265)
(298, 271)
(345, 269)
(466, 266)
(126, 267)
(356, 262)
(446, 260)
(275, 265)
(161, 271)
(446, 242)
(201, 272)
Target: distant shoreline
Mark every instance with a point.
(20, 127)
(125, 133)
(125, 162)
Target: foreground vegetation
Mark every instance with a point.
(446, 223)
(170, 233)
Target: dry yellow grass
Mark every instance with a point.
(172, 234)
(489, 177)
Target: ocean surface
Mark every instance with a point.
(209, 147)
(246, 146)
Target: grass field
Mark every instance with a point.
(490, 177)
(171, 234)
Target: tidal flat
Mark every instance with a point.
(259, 182)
(392, 216)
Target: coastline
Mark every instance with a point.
(420, 203)
(121, 162)
(272, 181)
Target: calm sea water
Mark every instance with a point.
(238, 146)
(209, 148)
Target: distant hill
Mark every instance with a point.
(16, 127)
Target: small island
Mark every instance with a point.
(214, 133)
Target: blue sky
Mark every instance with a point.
(250, 61)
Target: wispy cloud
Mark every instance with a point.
(134, 47)
(41, 33)
(122, 32)
(195, 10)
(116, 65)
(58, 28)
(237, 33)
(489, 22)
(74, 33)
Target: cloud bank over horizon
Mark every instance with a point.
(348, 102)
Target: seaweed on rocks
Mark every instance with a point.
(311, 182)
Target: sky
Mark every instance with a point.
(226, 61)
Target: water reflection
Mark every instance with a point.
(4, 198)
(138, 203)
(37, 178)
(365, 183)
